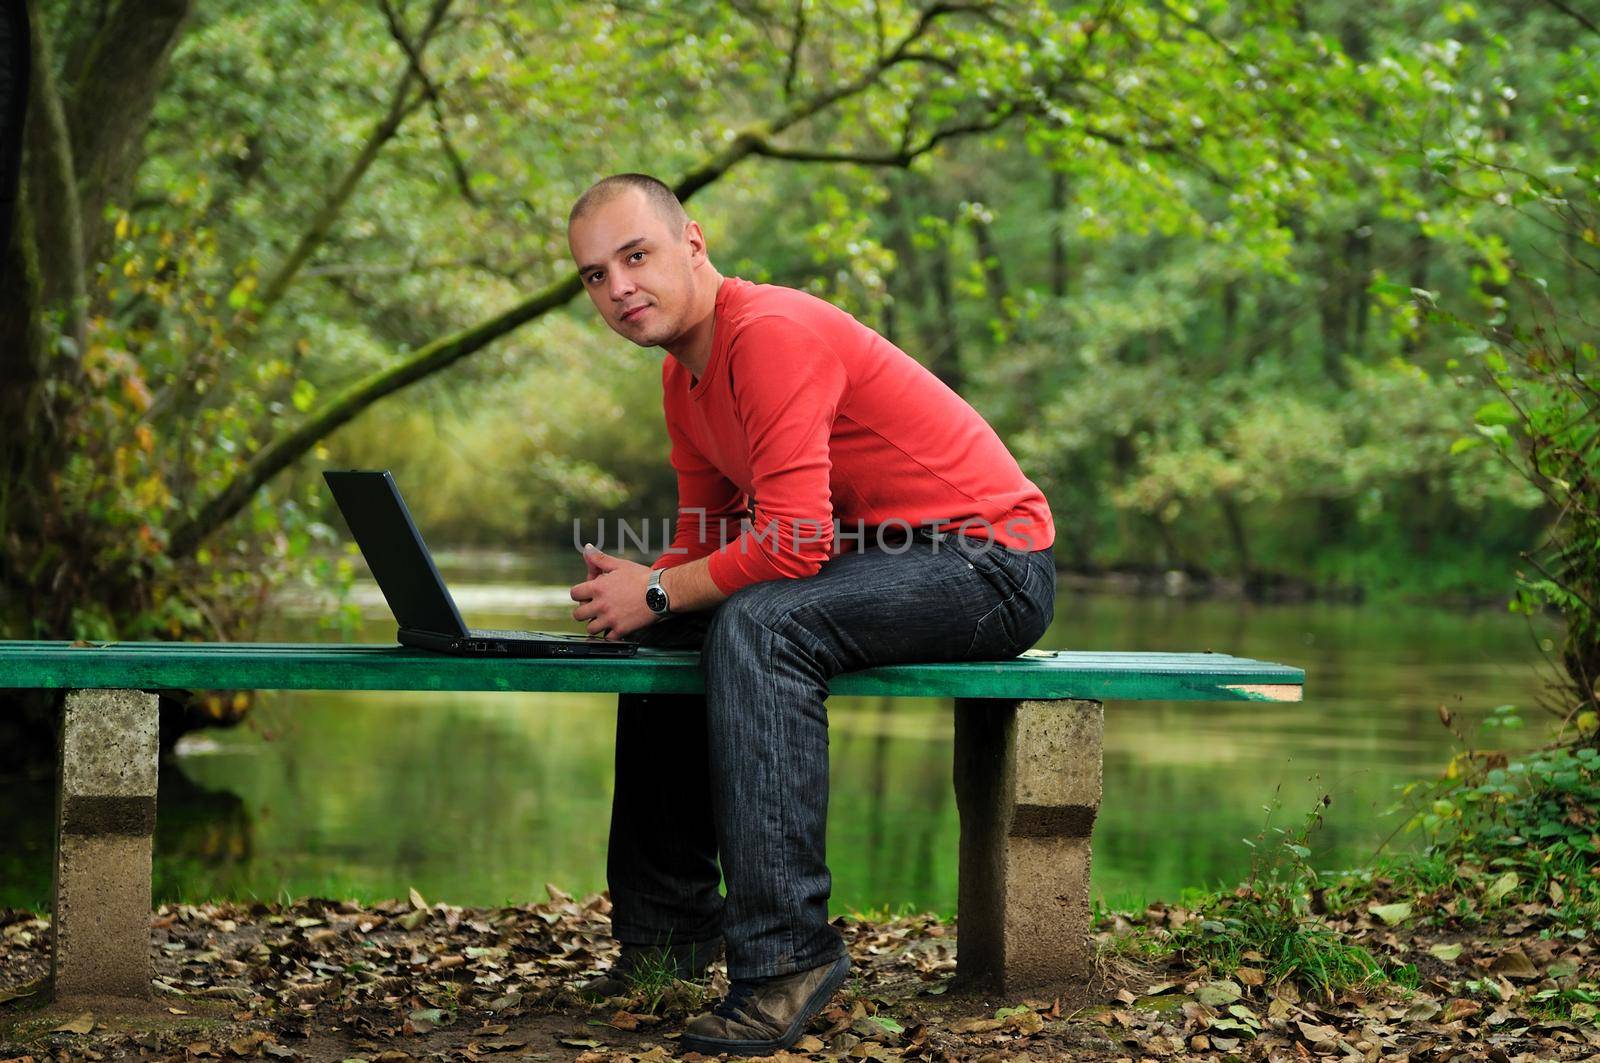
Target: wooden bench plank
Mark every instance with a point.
(1038, 675)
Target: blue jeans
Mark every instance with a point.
(741, 772)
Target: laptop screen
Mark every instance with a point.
(394, 550)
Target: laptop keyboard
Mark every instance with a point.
(498, 633)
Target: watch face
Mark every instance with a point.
(656, 599)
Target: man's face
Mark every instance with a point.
(637, 271)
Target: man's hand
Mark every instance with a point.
(612, 598)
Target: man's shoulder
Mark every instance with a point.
(764, 304)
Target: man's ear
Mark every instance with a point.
(696, 239)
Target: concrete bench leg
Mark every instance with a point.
(1027, 776)
(105, 822)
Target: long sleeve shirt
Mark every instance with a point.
(805, 418)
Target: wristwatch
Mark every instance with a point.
(655, 596)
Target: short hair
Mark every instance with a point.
(658, 195)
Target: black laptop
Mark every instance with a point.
(415, 591)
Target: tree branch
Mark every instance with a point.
(1584, 20)
(51, 186)
(108, 98)
(901, 158)
(796, 44)
(401, 105)
(277, 455)
(434, 103)
(322, 222)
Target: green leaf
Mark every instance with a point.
(1216, 994)
(1501, 886)
(1392, 914)
(1499, 412)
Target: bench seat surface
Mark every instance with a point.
(1038, 674)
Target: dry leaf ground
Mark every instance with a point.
(325, 980)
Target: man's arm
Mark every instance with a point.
(788, 386)
(707, 502)
(690, 587)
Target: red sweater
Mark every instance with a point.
(818, 419)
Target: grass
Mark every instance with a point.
(654, 983)
(887, 914)
(1267, 923)
(1267, 930)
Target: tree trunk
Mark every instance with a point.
(1238, 537)
(994, 276)
(945, 358)
(1058, 237)
(113, 76)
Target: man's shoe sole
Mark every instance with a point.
(814, 1004)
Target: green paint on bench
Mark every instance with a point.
(1040, 675)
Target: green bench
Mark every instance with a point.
(1027, 772)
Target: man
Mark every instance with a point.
(783, 406)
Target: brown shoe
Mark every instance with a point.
(641, 964)
(759, 1018)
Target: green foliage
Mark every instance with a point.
(128, 468)
(1170, 251)
(1530, 337)
(1267, 922)
(1503, 833)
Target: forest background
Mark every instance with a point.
(1238, 283)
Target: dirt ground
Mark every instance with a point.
(325, 980)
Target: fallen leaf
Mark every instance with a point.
(510, 1000)
(1314, 1033)
(1460, 1009)
(27, 989)
(1392, 914)
(1215, 994)
(1423, 1010)
(249, 1043)
(82, 1024)
(1501, 886)
(504, 1044)
(1447, 953)
(1250, 976)
(1515, 964)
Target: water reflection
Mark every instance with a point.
(482, 798)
